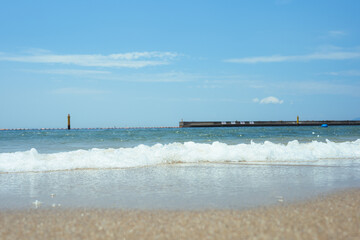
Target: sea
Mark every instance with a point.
(175, 168)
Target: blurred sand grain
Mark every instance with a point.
(335, 216)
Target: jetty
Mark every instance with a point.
(189, 124)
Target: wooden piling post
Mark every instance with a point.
(68, 121)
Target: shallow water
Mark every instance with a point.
(177, 186)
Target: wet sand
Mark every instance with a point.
(335, 216)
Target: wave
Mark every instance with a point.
(189, 152)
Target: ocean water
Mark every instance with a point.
(173, 168)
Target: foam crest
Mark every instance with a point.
(189, 152)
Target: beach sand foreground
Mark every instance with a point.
(335, 216)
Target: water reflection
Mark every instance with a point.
(175, 186)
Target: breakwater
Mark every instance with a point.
(96, 128)
(188, 124)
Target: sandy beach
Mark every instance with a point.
(335, 216)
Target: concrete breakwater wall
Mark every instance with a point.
(187, 124)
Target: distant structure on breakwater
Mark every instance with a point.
(191, 124)
(69, 122)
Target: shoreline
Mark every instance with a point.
(329, 216)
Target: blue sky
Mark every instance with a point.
(153, 63)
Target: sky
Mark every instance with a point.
(153, 63)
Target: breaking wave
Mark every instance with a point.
(189, 152)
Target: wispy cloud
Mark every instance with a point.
(314, 87)
(336, 33)
(340, 55)
(188, 99)
(68, 72)
(283, 2)
(120, 60)
(208, 86)
(78, 91)
(165, 77)
(268, 100)
(349, 73)
(197, 99)
(207, 81)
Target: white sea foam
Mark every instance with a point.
(291, 153)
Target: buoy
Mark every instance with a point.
(324, 125)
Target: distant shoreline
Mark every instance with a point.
(188, 124)
(95, 128)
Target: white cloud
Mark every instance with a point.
(126, 60)
(340, 55)
(268, 100)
